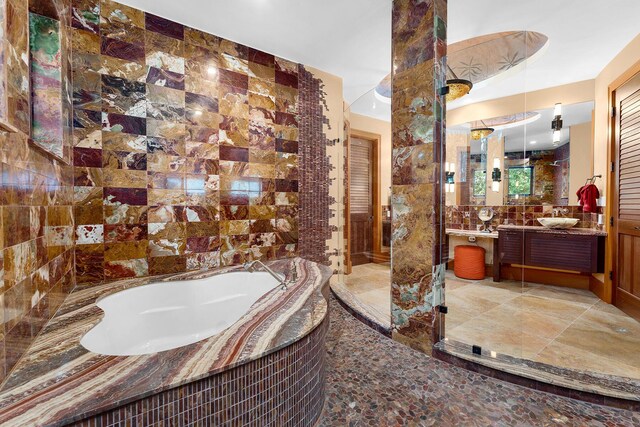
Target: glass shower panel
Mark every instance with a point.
(483, 133)
(367, 192)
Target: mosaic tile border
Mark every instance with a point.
(284, 388)
(315, 165)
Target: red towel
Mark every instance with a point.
(588, 197)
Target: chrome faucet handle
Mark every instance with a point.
(294, 274)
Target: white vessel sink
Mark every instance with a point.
(558, 222)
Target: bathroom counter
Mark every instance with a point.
(471, 233)
(541, 229)
(58, 381)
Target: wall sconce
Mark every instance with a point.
(556, 123)
(496, 175)
(450, 171)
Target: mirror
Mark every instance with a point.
(522, 162)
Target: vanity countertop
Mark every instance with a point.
(541, 229)
(472, 233)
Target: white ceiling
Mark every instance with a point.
(347, 38)
(352, 39)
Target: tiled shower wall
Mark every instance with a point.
(186, 147)
(36, 194)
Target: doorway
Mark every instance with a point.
(363, 206)
(361, 200)
(626, 197)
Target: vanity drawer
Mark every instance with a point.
(562, 251)
(511, 246)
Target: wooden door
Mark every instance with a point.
(361, 201)
(626, 198)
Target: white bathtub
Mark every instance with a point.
(165, 315)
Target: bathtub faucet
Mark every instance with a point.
(252, 266)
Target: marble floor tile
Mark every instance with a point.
(550, 307)
(567, 356)
(595, 337)
(504, 337)
(529, 322)
(471, 305)
(565, 294)
(489, 292)
(551, 324)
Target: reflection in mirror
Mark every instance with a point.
(520, 163)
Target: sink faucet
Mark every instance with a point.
(559, 211)
(251, 266)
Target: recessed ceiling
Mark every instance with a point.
(352, 39)
(484, 59)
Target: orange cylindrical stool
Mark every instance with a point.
(468, 262)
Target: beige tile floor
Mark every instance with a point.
(550, 324)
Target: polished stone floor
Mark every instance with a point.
(374, 381)
(560, 326)
(367, 291)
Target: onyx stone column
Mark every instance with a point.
(418, 125)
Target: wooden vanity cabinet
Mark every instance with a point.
(560, 250)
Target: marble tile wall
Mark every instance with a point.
(36, 195)
(184, 157)
(186, 147)
(417, 124)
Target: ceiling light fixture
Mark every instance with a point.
(212, 71)
(481, 132)
(456, 88)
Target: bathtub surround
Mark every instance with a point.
(36, 194)
(201, 403)
(191, 151)
(73, 384)
(417, 268)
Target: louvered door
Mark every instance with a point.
(360, 201)
(627, 198)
